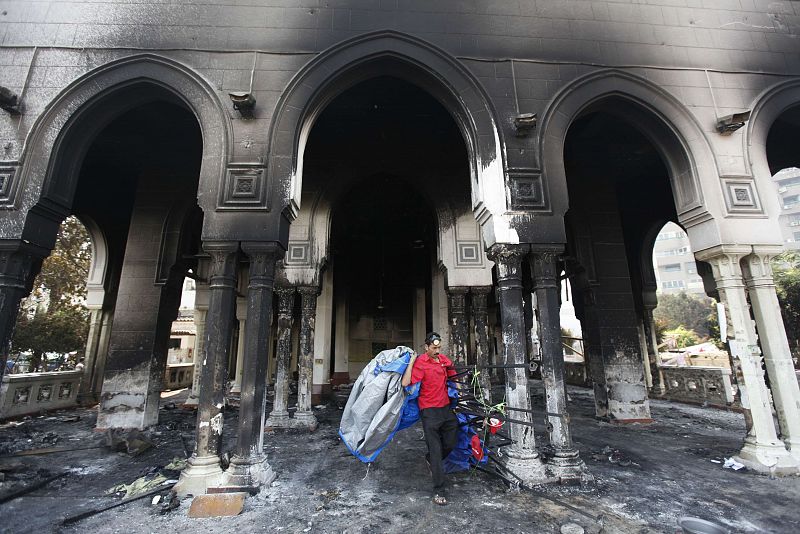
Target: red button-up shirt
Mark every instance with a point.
(433, 377)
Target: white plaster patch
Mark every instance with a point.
(216, 423)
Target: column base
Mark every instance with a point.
(278, 420)
(247, 474)
(567, 467)
(201, 473)
(771, 459)
(530, 470)
(305, 420)
(191, 401)
(794, 448)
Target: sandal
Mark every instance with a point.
(439, 499)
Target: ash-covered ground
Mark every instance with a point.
(647, 476)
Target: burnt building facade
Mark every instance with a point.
(342, 176)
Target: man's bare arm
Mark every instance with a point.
(406, 380)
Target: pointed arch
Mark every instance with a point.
(408, 58)
(44, 187)
(657, 115)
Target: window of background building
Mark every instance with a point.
(673, 284)
(691, 268)
(672, 267)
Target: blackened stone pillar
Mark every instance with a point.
(249, 467)
(279, 417)
(772, 334)
(593, 351)
(459, 330)
(143, 316)
(304, 416)
(19, 263)
(565, 463)
(521, 456)
(762, 450)
(480, 318)
(204, 468)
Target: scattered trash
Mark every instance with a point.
(155, 500)
(730, 463)
(217, 504)
(170, 406)
(77, 517)
(153, 479)
(169, 502)
(694, 525)
(132, 442)
(319, 407)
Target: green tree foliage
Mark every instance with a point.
(681, 309)
(53, 318)
(682, 336)
(786, 269)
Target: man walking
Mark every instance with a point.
(431, 369)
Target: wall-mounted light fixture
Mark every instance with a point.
(243, 102)
(9, 100)
(730, 123)
(524, 123)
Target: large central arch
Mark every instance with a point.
(415, 61)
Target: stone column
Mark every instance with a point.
(199, 326)
(772, 334)
(249, 467)
(18, 264)
(654, 360)
(521, 456)
(323, 333)
(304, 417)
(204, 468)
(565, 464)
(279, 417)
(762, 450)
(200, 309)
(106, 323)
(241, 317)
(480, 317)
(459, 330)
(341, 368)
(593, 352)
(86, 394)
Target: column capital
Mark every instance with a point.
(507, 252)
(508, 260)
(757, 269)
(724, 262)
(223, 263)
(307, 292)
(480, 290)
(457, 290)
(544, 264)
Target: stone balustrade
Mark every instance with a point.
(178, 375)
(29, 393)
(698, 384)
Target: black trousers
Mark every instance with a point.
(441, 432)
